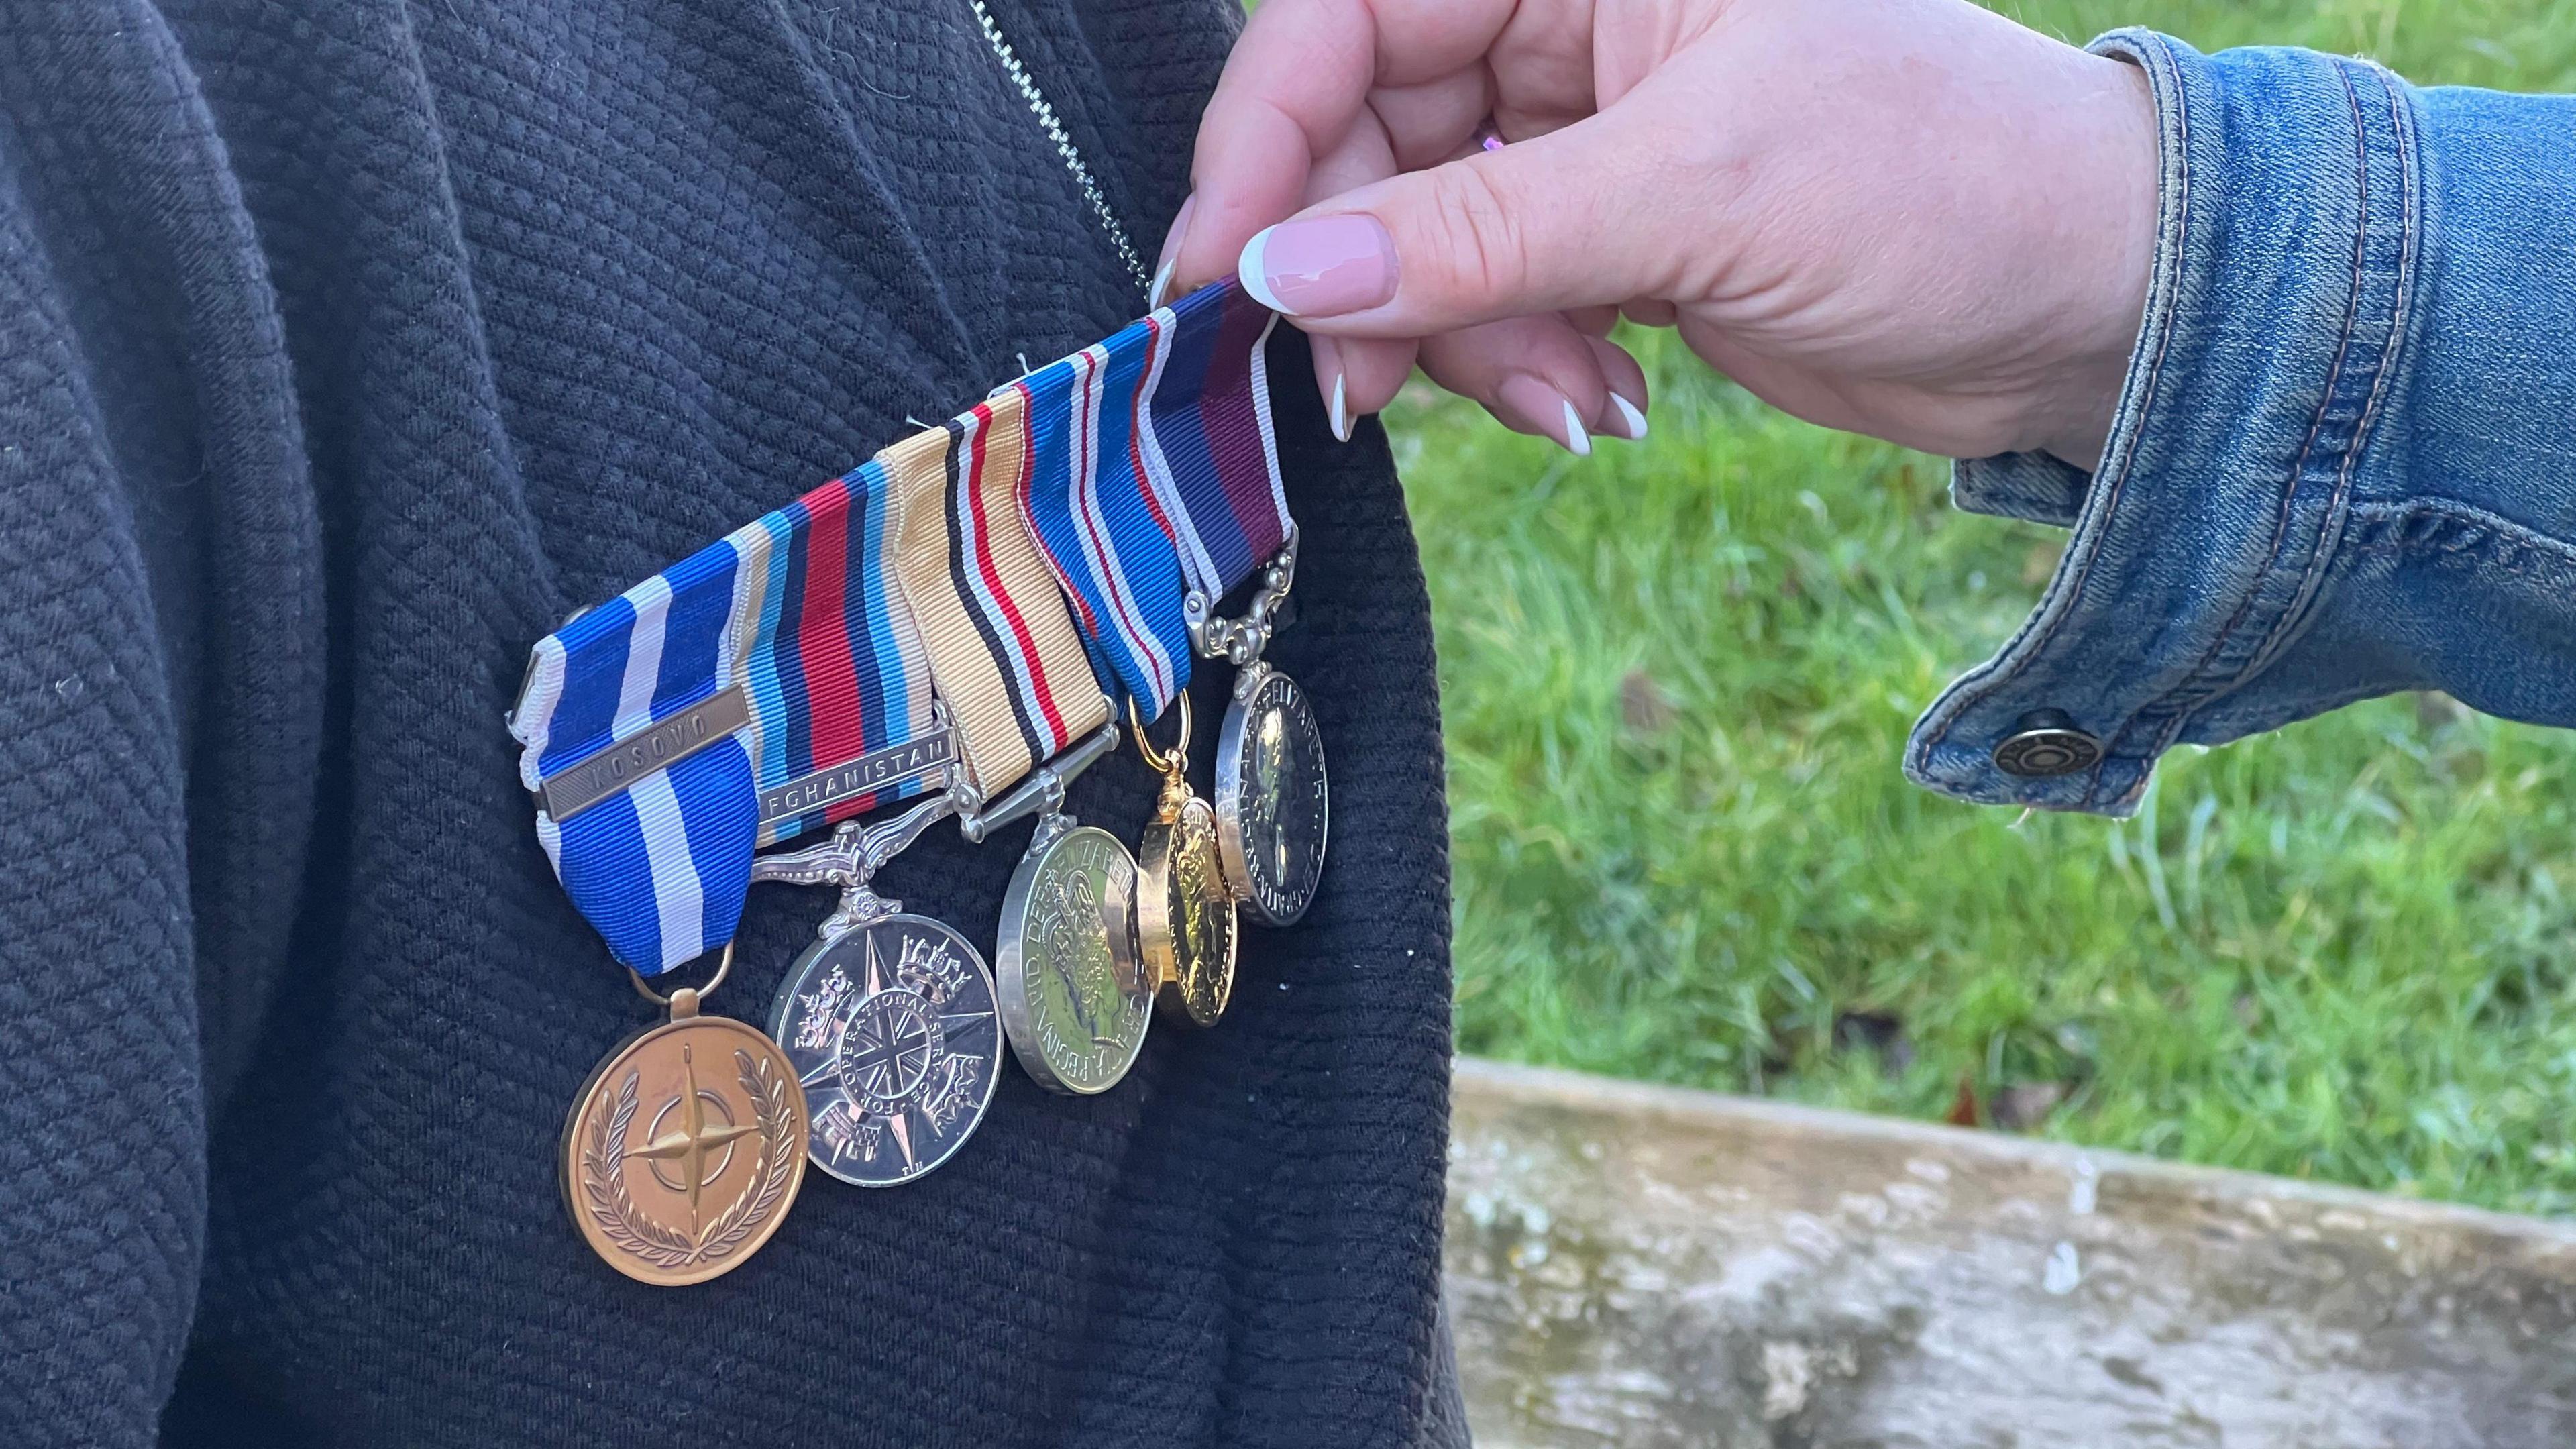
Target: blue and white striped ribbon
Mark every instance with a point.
(638, 659)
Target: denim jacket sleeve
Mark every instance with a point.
(2344, 459)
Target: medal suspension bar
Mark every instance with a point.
(1240, 641)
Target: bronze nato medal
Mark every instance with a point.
(1273, 805)
(1184, 910)
(1075, 1002)
(685, 1147)
(888, 1021)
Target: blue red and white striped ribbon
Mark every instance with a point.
(796, 610)
(1156, 477)
(835, 670)
(1126, 476)
(1091, 502)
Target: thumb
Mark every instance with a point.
(1533, 227)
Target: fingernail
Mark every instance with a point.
(1631, 414)
(1337, 403)
(1544, 409)
(1171, 253)
(1321, 268)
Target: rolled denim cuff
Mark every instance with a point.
(2284, 270)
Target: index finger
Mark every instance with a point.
(1298, 80)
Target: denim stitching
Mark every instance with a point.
(2159, 57)
(2318, 556)
(2489, 554)
(2400, 317)
(2326, 401)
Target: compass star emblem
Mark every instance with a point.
(888, 1041)
(689, 1145)
(898, 1071)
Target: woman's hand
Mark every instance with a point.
(1910, 218)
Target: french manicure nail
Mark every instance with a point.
(1321, 267)
(1171, 253)
(1631, 414)
(1337, 403)
(1545, 410)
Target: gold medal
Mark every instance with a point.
(686, 1146)
(1184, 909)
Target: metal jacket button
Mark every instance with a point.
(2046, 742)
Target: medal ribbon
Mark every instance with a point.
(754, 667)
(1090, 501)
(1003, 653)
(781, 679)
(835, 670)
(1213, 454)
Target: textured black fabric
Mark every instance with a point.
(346, 347)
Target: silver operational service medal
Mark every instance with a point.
(889, 1019)
(894, 1035)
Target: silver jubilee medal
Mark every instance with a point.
(1075, 1001)
(889, 1019)
(1273, 795)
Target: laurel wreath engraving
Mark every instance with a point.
(668, 1248)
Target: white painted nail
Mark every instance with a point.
(1577, 441)
(1249, 268)
(1341, 408)
(1632, 415)
(1162, 284)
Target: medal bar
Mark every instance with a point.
(918, 627)
(866, 775)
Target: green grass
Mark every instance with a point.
(1678, 678)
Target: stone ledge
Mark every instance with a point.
(1632, 1265)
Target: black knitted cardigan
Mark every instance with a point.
(345, 347)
